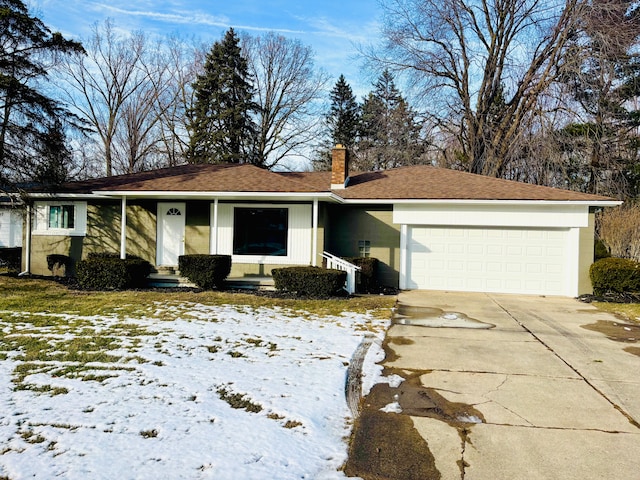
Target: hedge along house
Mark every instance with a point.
(430, 228)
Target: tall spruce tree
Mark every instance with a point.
(389, 134)
(31, 122)
(342, 123)
(343, 119)
(221, 128)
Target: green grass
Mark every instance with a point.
(37, 295)
(238, 400)
(627, 311)
(50, 329)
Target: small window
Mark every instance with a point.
(260, 231)
(364, 248)
(61, 216)
(175, 212)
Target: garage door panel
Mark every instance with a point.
(506, 260)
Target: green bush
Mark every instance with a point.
(206, 271)
(309, 281)
(107, 271)
(11, 258)
(615, 275)
(368, 274)
(600, 250)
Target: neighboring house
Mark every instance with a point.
(11, 219)
(431, 228)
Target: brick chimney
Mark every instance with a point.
(339, 167)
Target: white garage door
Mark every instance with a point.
(506, 260)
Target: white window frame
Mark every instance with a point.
(299, 235)
(41, 219)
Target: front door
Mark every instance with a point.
(171, 223)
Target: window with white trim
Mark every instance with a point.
(60, 218)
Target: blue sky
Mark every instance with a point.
(333, 28)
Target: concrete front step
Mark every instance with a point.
(250, 283)
(167, 280)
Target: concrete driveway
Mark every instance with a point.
(541, 396)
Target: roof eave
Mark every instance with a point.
(591, 203)
(212, 195)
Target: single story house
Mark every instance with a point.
(430, 228)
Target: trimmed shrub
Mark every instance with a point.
(206, 271)
(313, 282)
(368, 282)
(107, 271)
(56, 263)
(11, 258)
(615, 275)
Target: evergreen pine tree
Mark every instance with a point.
(342, 123)
(29, 118)
(389, 135)
(221, 127)
(344, 115)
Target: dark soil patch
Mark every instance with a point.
(611, 297)
(387, 446)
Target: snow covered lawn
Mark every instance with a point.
(184, 391)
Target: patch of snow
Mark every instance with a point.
(162, 414)
(393, 407)
(393, 380)
(469, 419)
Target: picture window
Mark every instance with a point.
(260, 231)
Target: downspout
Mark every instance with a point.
(123, 229)
(314, 257)
(27, 266)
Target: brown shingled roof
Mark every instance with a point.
(194, 178)
(431, 183)
(406, 183)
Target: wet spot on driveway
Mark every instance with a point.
(618, 331)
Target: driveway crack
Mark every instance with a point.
(574, 369)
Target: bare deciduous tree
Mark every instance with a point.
(111, 89)
(287, 92)
(174, 94)
(481, 66)
(619, 229)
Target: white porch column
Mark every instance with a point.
(214, 230)
(314, 253)
(123, 229)
(404, 260)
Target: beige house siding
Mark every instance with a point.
(586, 255)
(141, 230)
(197, 230)
(101, 236)
(103, 228)
(350, 224)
